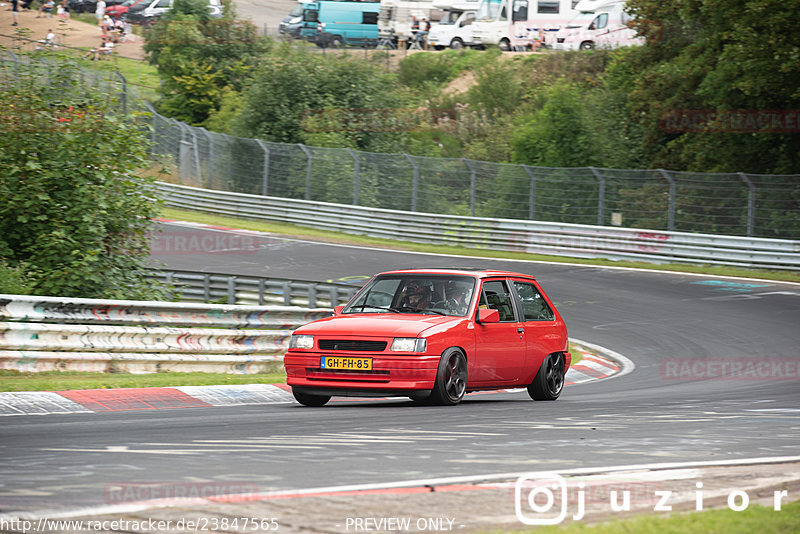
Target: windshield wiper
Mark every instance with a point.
(362, 306)
(418, 310)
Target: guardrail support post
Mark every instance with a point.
(265, 175)
(671, 202)
(531, 193)
(471, 186)
(310, 157)
(232, 290)
(414, 182)
(601, 196)
(207, 287)
(751, 203)
(287, 294)
(312, 296)
(357, 175)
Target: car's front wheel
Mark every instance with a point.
(549, 380)
(306, 399)
(451, 379)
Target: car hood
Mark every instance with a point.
(376, 325)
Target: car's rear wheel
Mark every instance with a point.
(549, 380)
(307, 399)
(451, 379)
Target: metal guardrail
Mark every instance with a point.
(192, 286)
(50, 333)
(562, 239)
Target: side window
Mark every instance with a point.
(310, 15)
(370, 18)
(495, 296)
(164, 3)
(548, 6)
(534, 306)
(600, 22)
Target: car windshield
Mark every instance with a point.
(450, 18)
(415, 293)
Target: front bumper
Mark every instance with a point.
(390, 374)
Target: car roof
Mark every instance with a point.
(476, 272)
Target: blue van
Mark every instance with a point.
(335, 23)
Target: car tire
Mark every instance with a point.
(457, 44)
(505, 45)
(451, 379)
(549, 380)
(307, 399)
(587, 45)
(337, 42)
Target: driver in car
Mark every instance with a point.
(417, 296)
(457, 298)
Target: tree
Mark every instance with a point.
(75, 219)
(295, 96)
(706, 60)
(200, 59)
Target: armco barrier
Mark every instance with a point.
(559, 239)
(192, 286)
(49, 333)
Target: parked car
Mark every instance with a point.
(433, 335)
(118, 10)
(292, 23)
(89, 6)
(149, 11)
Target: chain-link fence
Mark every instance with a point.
(711, 203)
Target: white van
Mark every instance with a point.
(604, 26)
(491, 24)
(455, 27)
(152, 10)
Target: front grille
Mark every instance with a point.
(352, 345)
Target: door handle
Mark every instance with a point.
(521, 330)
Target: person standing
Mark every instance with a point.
(100, 12)
(15, 12)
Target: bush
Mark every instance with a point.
(74, 217)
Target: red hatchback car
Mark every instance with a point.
(433, 335)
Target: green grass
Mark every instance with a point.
(65, 380)
(756, 519)
(324, 235)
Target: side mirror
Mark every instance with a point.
(488, 316)
(337, 310)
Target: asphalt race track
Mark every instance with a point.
(681, 331)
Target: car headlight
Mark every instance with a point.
(301, 342)
(409, 344)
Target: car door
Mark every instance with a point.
(544, 330)
(499, 347)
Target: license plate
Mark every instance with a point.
(338, 362)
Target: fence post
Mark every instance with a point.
(671, 202)
(357, 175)
(210, 158)
(230, 162)
(751, 203)
(601, 196)
(414, 182)
(265, 176)
(531, 193)
(308, 154)
(471, 186)
(124, 92)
